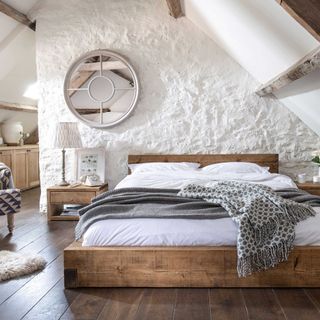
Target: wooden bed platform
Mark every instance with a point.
(181, 267)
(185, 266)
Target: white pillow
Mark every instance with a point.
(163, 166)
(234, 167)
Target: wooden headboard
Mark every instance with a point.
(264, 160)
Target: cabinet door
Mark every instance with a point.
(6, 158)
(20, 169)
(33, 167)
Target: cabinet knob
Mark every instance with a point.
(0, 152)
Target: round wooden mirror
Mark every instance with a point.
(101, 88)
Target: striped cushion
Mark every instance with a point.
(10, 201)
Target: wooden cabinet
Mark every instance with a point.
(6, 158)
(24, 164)
(33, 178)
(19, 169)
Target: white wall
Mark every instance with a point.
(18, 65)
(303, 98)
(265, 40)
(258, 34)
(194, 97)
(18, 70)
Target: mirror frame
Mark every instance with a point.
(75, 65)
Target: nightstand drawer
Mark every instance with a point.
(72, 197)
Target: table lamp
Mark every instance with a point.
(67, 136)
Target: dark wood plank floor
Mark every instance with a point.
(42, 295)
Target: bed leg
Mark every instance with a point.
(70, 278)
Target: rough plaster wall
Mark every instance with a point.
(194, 97)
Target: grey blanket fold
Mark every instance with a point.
(266, 220)
(129, 203)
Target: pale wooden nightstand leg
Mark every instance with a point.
(49, 208)
(10, 220)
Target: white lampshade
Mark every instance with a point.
(67, 136)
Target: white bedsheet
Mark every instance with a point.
(182, 232)
(187, 232)
(177, 180)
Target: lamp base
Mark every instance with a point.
(64, 183)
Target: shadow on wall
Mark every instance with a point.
(250, 11)
(308, 84)
(302, 97)
(28, 120)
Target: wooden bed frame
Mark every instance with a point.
(185, 266)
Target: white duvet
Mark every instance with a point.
(187, 232)
(178, 179)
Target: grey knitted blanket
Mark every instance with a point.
(134, 203)
(266, 220)
(166, 203)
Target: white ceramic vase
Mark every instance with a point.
(11, 131)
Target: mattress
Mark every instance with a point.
(183, 232)
(188, 232)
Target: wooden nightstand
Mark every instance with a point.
(58, 196)
(311, 187)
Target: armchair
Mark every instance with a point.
(10, 198)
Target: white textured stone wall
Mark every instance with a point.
(194, 97)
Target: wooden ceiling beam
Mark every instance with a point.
(16, 15)
(106, 65)
(79, 80)
(306, 12)
(303, 67)
(17, 107)
(175, 9)
(92, 110)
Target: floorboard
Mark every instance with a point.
(192, 304)
(42, 295)
(297, 305)
(262, 304)
(53, 305)
(227, 304)
(156, 304)
(85, 306)
(123, 304)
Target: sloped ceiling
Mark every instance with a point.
(24, 6)
(259, 34)
(18, 64)
(265, 40)
(17, 55)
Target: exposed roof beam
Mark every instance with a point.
(304, 66)
(79, 80)
(17, 107)
(106, 65)
(92, 110)
(175, 9)
(123, 76)
(16, 15)
(306, 12)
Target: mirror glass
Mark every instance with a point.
(101, 88)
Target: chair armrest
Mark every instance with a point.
(4, 178)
